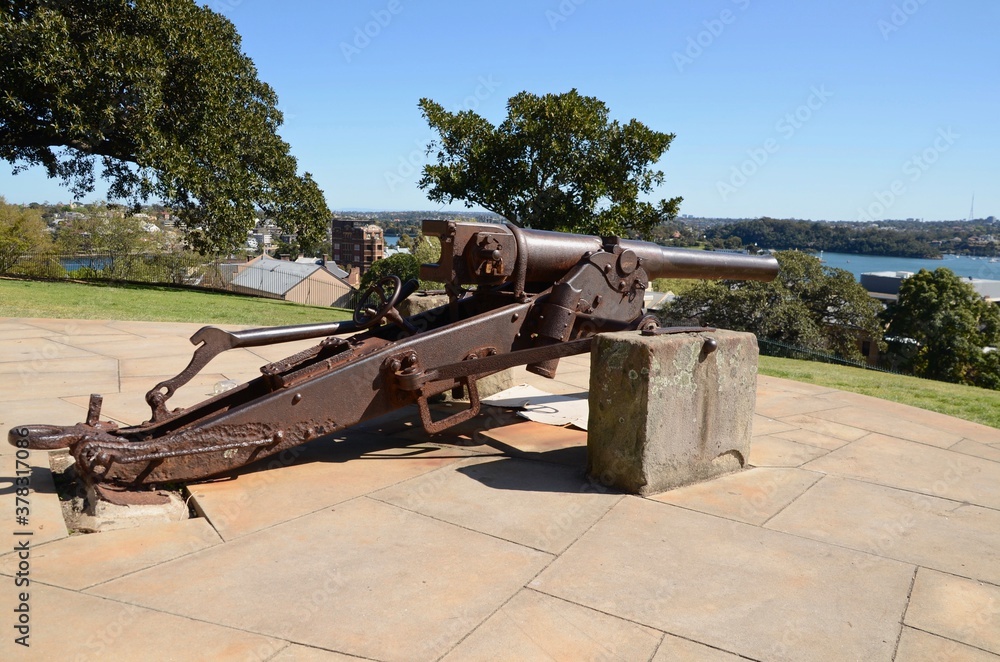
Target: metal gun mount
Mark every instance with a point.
(538, 296)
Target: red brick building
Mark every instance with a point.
(356, 244)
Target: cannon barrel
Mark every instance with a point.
(552, 254)
(484, 253)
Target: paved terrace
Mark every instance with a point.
(865, 530)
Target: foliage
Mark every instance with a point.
(22, 231)
(427, 250)
(555, 163)
(160, 95)
(424, 250)
(949, 324)
(403, 265)
(859, 238)
(807, 305)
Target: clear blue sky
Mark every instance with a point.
(845, 110)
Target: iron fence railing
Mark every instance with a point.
(783, 350)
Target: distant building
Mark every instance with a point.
(356, 243)
(311, 284)
(884, 285)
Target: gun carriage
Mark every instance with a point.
(516, 297)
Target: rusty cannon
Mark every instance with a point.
(515, 297)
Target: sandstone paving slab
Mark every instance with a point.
(775, 451)
(45, 519)
(132, 347)
(81, 561)
(919, 646)
(307, 478)
(733, 586)
(894, 426)
(675, 649)
(53, 411)
(67, 625)
(812, 438)
(44, 379)
(955, 608)
(916, 467)
(752, 496)
(363, 578)
(970, 447)
(68, 327)
(825, 427)
(790, 404)
(234, 362)
(914, 415)
(37, 350)
(763, 425)
(539, 441)
(15, 331)
(153, 329)
(537, 504)
(915, 528)
(534, 626)
(104, 344)
(129, 405)
(296, 653)
(767, 384)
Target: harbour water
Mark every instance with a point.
(965, 266)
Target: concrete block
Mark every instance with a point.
(664, 412)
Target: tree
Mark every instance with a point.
(403, 265)
(159, 94)
(807, 305)
(940, 326)
(555, 163)
(22, 232)
(124, 244)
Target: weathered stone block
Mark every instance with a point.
(664, 412)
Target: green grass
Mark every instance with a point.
(967, 402)
(142, 303)
(20, 298)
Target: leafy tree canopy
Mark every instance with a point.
(555, 163)
(21, 231)
(158, 94)
(807, 305)
(949, 324)
(403, 265)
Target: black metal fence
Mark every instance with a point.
(782, 350)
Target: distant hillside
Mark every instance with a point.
(859, 238)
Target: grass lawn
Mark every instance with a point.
(143, 303)
(20, 298)
(968, 402)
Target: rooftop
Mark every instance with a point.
(865, 530)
